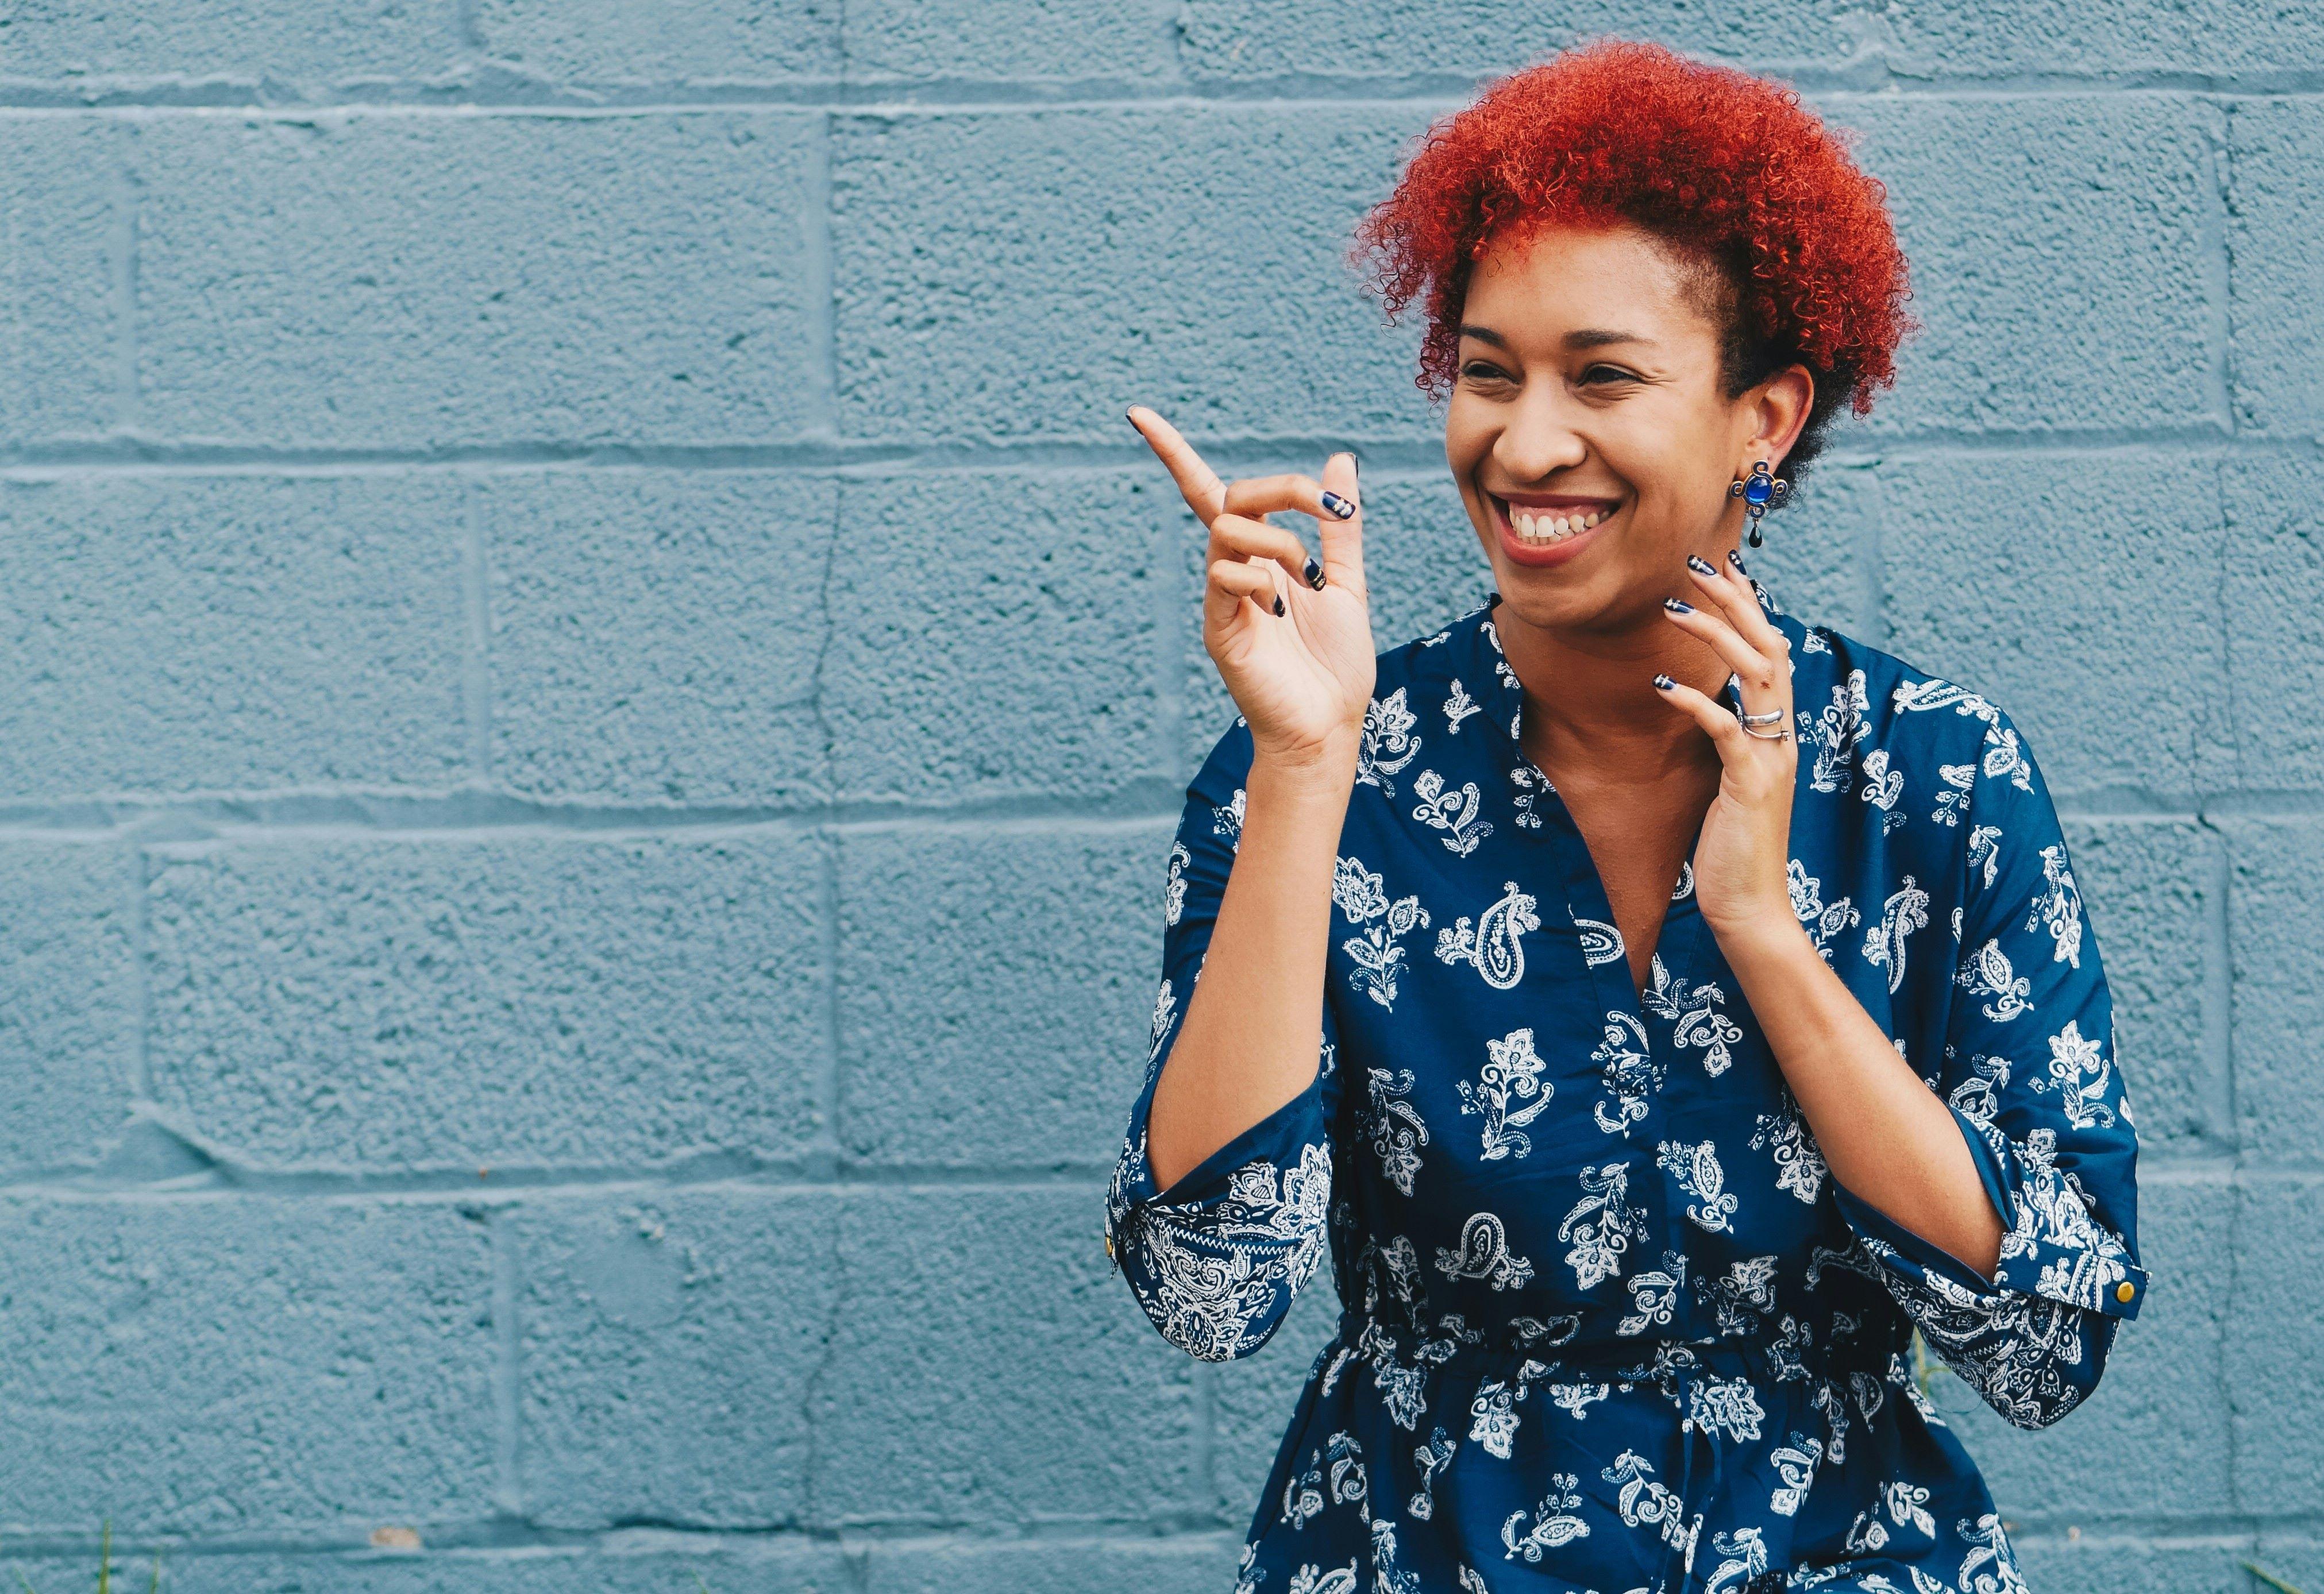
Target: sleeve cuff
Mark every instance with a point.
(1279, 1139)
(1215, 1259)
(2093, 1271)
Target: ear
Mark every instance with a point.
(1776, 411)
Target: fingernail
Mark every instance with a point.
(1278, 603)
(1675, 607)
(1735, 558)
(1314, 573)
(1701, 565)
(1663, 683)
(1337, 505)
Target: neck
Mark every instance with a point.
(1590, 700)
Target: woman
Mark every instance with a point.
(1659, 1004)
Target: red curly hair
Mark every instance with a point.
(1726, 167)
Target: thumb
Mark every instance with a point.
(1343, 540)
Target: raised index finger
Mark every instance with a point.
(1198, 484)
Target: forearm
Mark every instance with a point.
(1253, 1027)
(1885, 1137)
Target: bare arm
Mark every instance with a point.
(1252, 1029)
(1291, 641)
(1884, 1134)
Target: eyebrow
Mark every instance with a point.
(1587, 338)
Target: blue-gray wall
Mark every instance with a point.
(593, 690)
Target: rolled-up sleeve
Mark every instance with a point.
(2030, 1076)
(1215, 1259)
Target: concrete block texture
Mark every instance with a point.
(1188, 260)
(356, 282)
(229, 1365)
(66, 203)
(980, 1369)
(996, 638)
(2098, 265)
(2273, 194)
(594, 689)
(624, 1563)
(374, 1006)
(983, 975)
(657, 637)
(1997, 570)
(2273, 925)
(69, 1001)
(110, 52)
(1914, 40)
(667, 1342)
(230, 634)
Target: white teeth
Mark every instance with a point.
(1548, 529)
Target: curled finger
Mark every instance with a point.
(1717, 720)
(1232, 581)
(1233, 536)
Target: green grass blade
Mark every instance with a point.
(700, 1584)
(105, 1561)
(2269, 1578)
(28, 1584)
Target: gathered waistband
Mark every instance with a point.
(1648, 1357)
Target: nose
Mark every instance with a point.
(1538, 438)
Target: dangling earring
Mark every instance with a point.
(1760, 492)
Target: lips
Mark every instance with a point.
(1549, 531)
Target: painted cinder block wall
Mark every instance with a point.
(594, 690)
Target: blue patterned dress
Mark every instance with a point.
(1607, 1324)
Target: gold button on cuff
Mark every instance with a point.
(2125, 1290)
(1109, 1252)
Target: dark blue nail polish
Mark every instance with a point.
(1278, 603)
(1314, 573)
(1663, 683)
(1337, 505)
(1735, 558)
(1675, 607)
(1701, 565)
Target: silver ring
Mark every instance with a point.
(1770, 718)
(1783, 735)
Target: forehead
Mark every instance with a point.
(1563, 278)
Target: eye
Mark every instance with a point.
(1601, 374)
(1483, 371)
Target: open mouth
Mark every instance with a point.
(1545, 526)
(1550, 524)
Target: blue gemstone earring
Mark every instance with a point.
(1760, 492)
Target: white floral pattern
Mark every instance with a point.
(1553, 1246)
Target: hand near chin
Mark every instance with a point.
(1740, 861)
(1291, 636)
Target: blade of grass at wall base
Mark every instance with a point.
(2269, 1578)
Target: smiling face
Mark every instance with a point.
(1589, 429)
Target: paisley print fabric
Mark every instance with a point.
(1607, 1324)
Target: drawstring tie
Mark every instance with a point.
(1690, 1430)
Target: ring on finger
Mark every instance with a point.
(1770, 718)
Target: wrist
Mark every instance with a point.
(1769, 940)
(1325, 768)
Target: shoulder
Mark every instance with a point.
(1852, 697)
